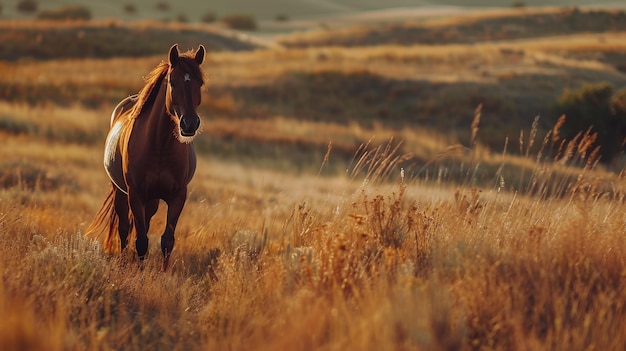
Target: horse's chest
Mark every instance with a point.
(159, 175)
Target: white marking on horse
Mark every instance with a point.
(110, 149)
(187, 77)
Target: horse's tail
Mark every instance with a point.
(106, 220)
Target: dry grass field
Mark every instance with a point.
(315, 223)
(270, 260)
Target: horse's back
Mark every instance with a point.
(112, 152)
(123, 106)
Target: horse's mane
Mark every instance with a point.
(154, 79)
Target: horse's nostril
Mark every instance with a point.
(189, 126)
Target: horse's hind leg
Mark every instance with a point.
(123, 225)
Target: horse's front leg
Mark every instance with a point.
(174, 209)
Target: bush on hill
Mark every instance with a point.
(130, 9)
(69, 12)
(209, 17)
(240, 22)
(281, 17)
(27, 6)
(163, 6)
(595, 107)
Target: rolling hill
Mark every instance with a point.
(433, 82)
(268, 10)
(491, 26)
(105, 39)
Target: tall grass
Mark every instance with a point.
(375, 260)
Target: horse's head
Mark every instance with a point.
(184, 91)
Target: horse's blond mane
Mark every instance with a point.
(148, 92)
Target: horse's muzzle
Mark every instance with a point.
(189, 125)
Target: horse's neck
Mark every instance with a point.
(157, 123)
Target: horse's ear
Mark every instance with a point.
(200, 54)
(173, 55)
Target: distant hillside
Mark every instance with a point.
(104, 39)
(510, 25)
(267, 10)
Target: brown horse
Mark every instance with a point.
(149, 155)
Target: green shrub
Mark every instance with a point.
(618, 109)
(182, 18)
(209, 17)
(595, 106)
(27, 6)
(240, 22)
(130, 9)
(281, 17)
(68, 12)
(163, 6)
(618, 103)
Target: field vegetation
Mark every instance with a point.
(44, 40)
(478, 27)
(384, 197)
